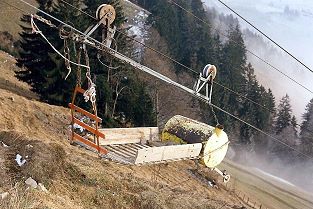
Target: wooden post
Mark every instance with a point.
(157, 102)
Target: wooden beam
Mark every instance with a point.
(172, 152)
(116, 150)
(89, 128)
(84, 112)
(129, 135)
(80, 90)
(90, 144)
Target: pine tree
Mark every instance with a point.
(270, 104)
(285, 129)
(265, 120)
(138, 106)
(44, 69)
(283, 119)
(287, 135)
(306, 129)
(232, 73)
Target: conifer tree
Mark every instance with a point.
(285, 129)
(232, 72)
(265, 120)
(283, 119)
(306, 129)
(34, 54)
(248, 110)
(44, 69)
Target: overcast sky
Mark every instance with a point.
(290, 23)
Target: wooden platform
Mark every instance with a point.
(130, 146)
(139, 154)
(129, 135)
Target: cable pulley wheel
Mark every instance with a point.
(106, 10)
(65, 31)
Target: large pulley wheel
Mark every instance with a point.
(106, 10)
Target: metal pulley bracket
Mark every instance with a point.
(106, 11)
(106, 15)
(207, 75)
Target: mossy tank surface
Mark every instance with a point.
(183, 130)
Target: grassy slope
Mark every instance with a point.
(267, 190)
(10, 17)
(75, 177)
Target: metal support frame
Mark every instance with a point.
(105, 20)
(204, 82)
(226, 177)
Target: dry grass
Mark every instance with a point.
(271, 193)
(10, 17)
(79, 179)
(18, 199)
(7, 79)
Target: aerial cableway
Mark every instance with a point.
(182, 138)
(197, 140)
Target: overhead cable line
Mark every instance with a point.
(166, 79)
(86, 13)
(139, 42)
(226, 88)
(249, 51)
(253, 54)
(168, 57)
(188, 68)
(252, 126)
(281, 72)
(162, 55)
(266, 36)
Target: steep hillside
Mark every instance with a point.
(10, 17)
(77, 178)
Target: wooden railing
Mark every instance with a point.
(252, 203)
(94, 130)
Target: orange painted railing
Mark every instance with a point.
(94, 130)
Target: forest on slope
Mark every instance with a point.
(195, 44)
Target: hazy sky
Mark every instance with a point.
(290, 23)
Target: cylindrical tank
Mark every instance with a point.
(184, 130)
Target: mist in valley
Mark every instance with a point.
(298, 174)
(287, 23)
